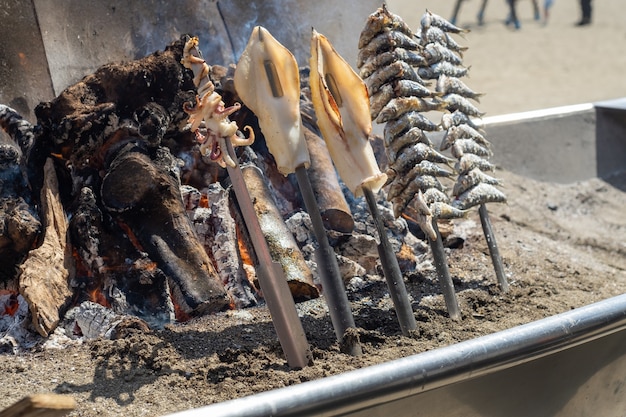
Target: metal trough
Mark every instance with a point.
(565, 365)
(571, 364)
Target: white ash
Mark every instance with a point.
(90, 320)
(15, 334)
(216, 231)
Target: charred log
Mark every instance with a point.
(140, 190)
(127, 278)
(19, 220)
(45, 274)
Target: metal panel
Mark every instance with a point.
(24, 77)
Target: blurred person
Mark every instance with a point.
(585, 8)
(547, 4)
(512, 17)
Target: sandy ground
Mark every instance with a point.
(541, 65)
(562, 246)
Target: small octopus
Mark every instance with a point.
(211, 113)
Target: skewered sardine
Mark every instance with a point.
(470, 161)
(397, 54)
(458, 102)
(436, 52)
(480, 194)
(414, 154)
(442, 68)
(424, 167)
(431, 19)
(471, 178)
(434, 34)
(447, 84)
(380, 21)
(463, 146)
(441, 210)
(384, 75)
(405, 88)
(462, 131)
(385, 41)
(457, 118)
(408, 120)
(400, 105)
(395, 144)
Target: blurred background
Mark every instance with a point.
(544, 63)
(47, 45)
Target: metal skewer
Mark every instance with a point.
(271, 278)
(391, 269)
(493, 248)
(445, 281)
(333, 288)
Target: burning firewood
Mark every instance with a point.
(109, 128)
(44, 275)
(19, 220)
(281, 243)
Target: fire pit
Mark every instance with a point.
(114, 156)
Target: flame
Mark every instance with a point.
(179, 314)
(11, 304)
(23, 59)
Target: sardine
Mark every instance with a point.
(400, 105)
(480, 194)
(434, 34)
(470, 161)
(442, 68)
(385, 58)
(393, 145)
(385, 41)
(408, 120)
(463, 131)
(425, 167)
(433, 195)
(384, 75)
(405, 88)
(424, 217)
(436, 52)
(458, 118)
(447, 84)
(407, 191)
(463, 146)
(380, 21)
(471, 178)
(458, 102)
(414, 154)
(380, 99)
(440, 210)
(431, 19)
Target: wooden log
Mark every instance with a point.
(334, 209)
(140, 189)
(282, 245)
(41, 405)
(44, 275)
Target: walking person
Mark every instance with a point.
(585, 8)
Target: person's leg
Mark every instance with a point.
(481, 13)
(512, 18)
(536, 10)
(585, 8)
